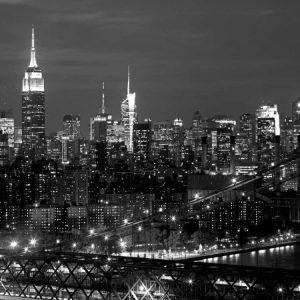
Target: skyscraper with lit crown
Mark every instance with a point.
(128, 116)
(267, 128)
(33, 109)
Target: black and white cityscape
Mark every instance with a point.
(110, 197)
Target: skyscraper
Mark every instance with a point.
(296, 121)
(141, 144)
(33, 110)
(128, 116)
(267, 127)
(245, 138)
(98, 123)
(71, 126)
(296, 110)
(7, 126)
(98, 136)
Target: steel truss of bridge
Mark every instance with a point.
(85, 276)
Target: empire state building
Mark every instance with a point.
(33, 110)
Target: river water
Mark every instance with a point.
(284, 257)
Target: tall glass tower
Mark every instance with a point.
(33, 110)
(128, 116)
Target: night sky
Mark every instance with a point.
(219, 57)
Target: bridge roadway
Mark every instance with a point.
(65, 275)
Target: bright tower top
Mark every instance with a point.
(32, 63)
(33, 79)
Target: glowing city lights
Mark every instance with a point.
(142, 288)
(13, 244)
(122, 244)
(32, 242)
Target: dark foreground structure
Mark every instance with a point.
(85, 276)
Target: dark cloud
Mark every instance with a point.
(215, 56)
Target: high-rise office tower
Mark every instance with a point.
(98, 136)
(141, 144)
(33, 110)
(71, 126)
(286, 134)
(70, 138)
(197, 133)
(178, 140)
(296, 110)
(98, 123)
(267, 127)
(296, 121)
(128, 116)
(245, 138)
(7, 126)
(4, 149)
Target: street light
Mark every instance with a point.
(74, 245)
(142, 288)
(140, 228)
(92, 231)
(106, 237)
(123, 244)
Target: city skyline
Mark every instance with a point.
(149, 150)
(189, 58)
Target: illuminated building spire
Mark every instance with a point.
(32, 63)
(103, 105)
(128, 83)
